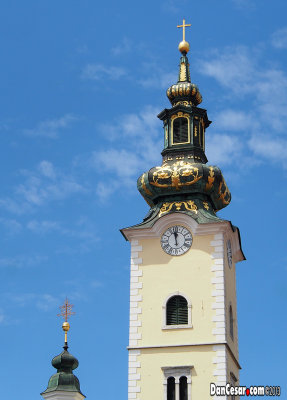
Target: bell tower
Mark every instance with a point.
(183, 315)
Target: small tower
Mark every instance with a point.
(64, 385)
(183, 314)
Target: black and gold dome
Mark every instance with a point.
(184, 182)
(184, 92)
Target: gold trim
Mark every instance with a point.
(223, 194)
(174, 173)
(189, 206)
(205, 205)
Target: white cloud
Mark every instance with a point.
(83, 230)
(279, 38)
(223, 149)
(137, 142)
(43, 227)
(41, 186)
(232, 68)
(173, 6)
(97, 72)
(234, 120)
(22, 261)
(43, 302)
(158, 79)
(260, 89)
(46, 184)
(123, 47)
(269, 147)
(50, 128)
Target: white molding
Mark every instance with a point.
(168, 327)
(177, 372)
(133, 374)
(62, 395)
(218, 293)
(164, 222)
(219, 343)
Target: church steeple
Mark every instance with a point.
(184, 182)
(64, 384)
(183, 321)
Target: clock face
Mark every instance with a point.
(176, 240)
(229, 253)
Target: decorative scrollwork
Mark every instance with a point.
(176, 175)
(178, 206)
(224, 193)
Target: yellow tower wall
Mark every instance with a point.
(203, 277)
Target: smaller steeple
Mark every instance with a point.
(64, 384)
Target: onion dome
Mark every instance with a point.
(184, 92)
(64, 379)
(65, 363)
(186, 181)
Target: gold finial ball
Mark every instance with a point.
(66, 326)
(183, 46)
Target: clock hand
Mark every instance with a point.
(175, 238)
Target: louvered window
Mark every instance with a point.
(180, 130)
(171, 388)
(177, 311)
(183, 388)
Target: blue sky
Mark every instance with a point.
(81, 85)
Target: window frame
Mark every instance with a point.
(181, 326)
(177, 372)
(174, 117)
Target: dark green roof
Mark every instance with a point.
(64, 379)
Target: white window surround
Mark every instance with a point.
(181, 326)
(177, 373)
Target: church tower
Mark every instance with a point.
(183, 314)
(64, 385)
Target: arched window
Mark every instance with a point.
(180, 130)
(177, 311)
(171, 388)
(231, 322)
(183, 388)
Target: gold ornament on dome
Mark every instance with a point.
(224, 192)
(205, 205)
(183, 45)
(188, 205)
(176, 175)
(66, 312)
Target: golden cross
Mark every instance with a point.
(66, 310)
(183, 26)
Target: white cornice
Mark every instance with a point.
(197, 229)
(62, 395)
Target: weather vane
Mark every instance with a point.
(66, 312)
(183, 26)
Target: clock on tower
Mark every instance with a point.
(183, 317)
